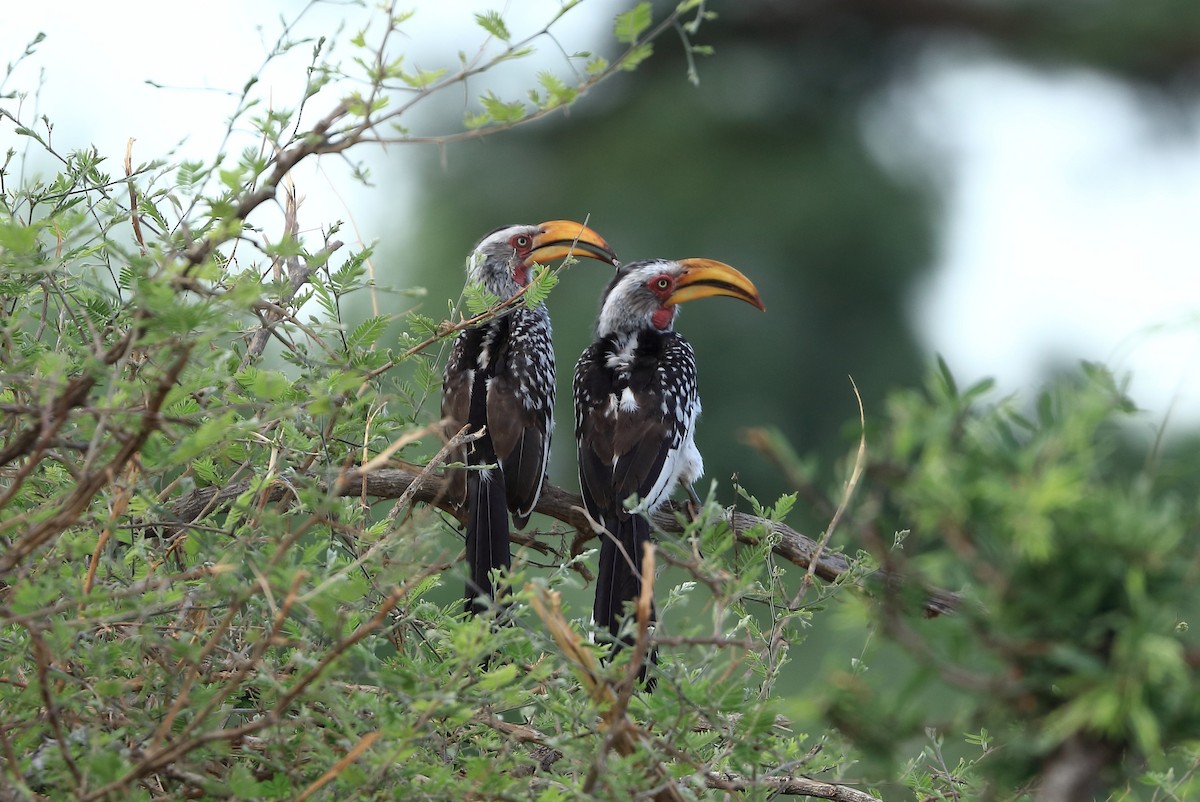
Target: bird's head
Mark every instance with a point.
(502, 260)
(647, 294)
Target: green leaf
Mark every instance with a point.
(636, 56)
(493, 23)
(206, 470)
(544, 280)
(784, 506)
(501, 112)
(426, 375)
(233, 178)
(498, 677)
(478, 299)
(422, 325)
(557, 92)
(270, 385)
(365, 334)
(191, 173)
(596, 65)
(630, 25)
(427, 78)
(946, 377)
(474, 120)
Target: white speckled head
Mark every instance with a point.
(502, 259)
(494, 261)
(647, 294)
(630, 302)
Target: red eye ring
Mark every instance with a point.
(662, 283)
(521, 241)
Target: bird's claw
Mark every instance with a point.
(694, 506)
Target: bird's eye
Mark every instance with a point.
(662, 283)
(522, 242)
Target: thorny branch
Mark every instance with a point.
(298, 273)
(91, 483)
(171, 741)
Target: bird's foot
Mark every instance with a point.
(693, 505)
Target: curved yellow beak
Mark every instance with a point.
(558, 239)
(705, 277)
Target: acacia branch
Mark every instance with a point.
(392, 483)
(54, 415)
(788, 786)
(546, 756)
(158, 758)
(91, 483)
(325, 138)
(298, 274)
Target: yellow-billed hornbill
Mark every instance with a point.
(636, 406)
(501, 375)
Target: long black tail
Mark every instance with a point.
(487, 536)
(619, 581)
(487, 512)
(487, 506)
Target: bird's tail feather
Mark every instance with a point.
(619, 579)
(487, 537)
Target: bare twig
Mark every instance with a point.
(620, 735)
(545, 755)
(120, 503)
(860, 460)
(55, 415)
(134, 217)
(363, 745)
(298, 273)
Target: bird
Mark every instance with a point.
(636, 407)
(500, 375)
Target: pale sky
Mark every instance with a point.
(1072, 218)
(1072, 226)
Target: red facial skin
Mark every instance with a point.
(523, 245)
(662, 285)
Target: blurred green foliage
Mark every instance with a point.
(1079, 558)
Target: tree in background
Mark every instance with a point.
(766, 165)
(223, 535)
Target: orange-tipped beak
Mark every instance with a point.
(559, 239)
(705, 277)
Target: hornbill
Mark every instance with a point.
(636, 406)
(501, 375)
